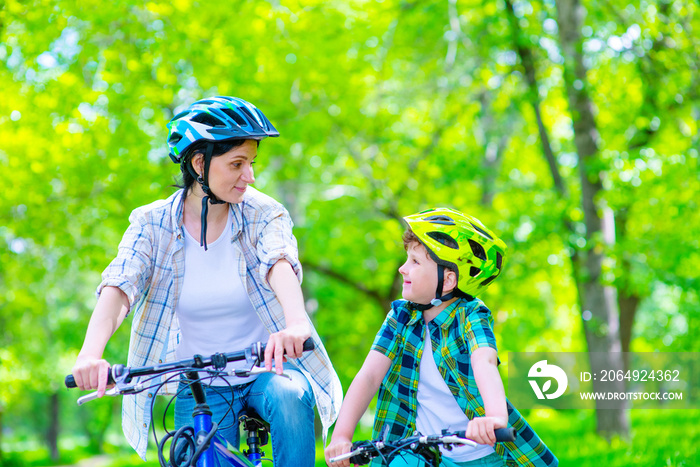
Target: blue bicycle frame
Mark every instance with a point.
(216, 454)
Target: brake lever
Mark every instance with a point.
(119, 389)
(93, 395)
(450, 440)
(256, 370)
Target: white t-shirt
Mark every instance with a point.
(214, 310)
(438, 409)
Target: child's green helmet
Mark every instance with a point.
(461, 243)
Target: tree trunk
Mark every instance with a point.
(495, 145)
(53, 429)
(528, 64)
(599, 301)
(628, 309)
(627, 299)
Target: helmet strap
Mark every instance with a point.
(209, 197)
(437, 301)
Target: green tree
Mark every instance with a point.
(388, 108)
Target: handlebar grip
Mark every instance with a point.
(70, 381)
(309, 344)
(505, 434)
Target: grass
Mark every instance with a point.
(667, 438)
(660, 438)
(38, 457)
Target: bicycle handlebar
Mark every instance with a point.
(257, 351)
(502, 434)
(362, 452)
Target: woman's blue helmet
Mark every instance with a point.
(209, 121)
(216, 119)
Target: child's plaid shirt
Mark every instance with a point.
(455, 333)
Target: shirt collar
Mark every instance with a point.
(178, 217)
(444, 319)
(177, 209)
(446, 316)
(416, 315)
(237, 221)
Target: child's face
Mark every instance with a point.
(419, 275)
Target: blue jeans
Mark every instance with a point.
(287, 405)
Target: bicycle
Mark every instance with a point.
(200, 445)
(427, 447)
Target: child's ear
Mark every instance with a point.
(450, 281)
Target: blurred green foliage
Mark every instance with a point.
(385, 108)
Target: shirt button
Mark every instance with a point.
(160, 361)
(145, 425)
(150, 395)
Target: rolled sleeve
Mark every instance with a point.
(277, 242)
(131, 269)
(478, 330)
(386, 341)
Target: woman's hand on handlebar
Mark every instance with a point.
(91, 373)
(289, 341)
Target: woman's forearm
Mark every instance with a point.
(110, 311)
(290, 340)
(285, 284)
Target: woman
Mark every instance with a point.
(214, 268)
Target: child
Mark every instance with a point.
(450, 258)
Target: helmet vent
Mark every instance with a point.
(481, 231)
(208, 119)
(478, 250)
(474, 271)
(180, 115)
(248, 114)
(444, 239)
(236, 118)
(499, 260)
(174, 138)
(489, 280)
(440, 219)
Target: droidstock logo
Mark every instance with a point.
(542, 370)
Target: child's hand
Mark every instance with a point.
(336, 448)
(480, 429)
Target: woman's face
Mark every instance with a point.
(231, 172)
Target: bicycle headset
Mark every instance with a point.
(461, 243)
(213, 120)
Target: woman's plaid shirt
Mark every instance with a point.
(149, 269)
(457, 331)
